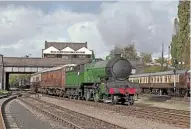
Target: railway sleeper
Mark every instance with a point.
(52, 115)
(100, 122)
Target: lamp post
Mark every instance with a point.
(174, 82)
(78, 82)
(175, 65)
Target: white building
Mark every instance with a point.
(66, 50)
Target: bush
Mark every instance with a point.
(152, 69)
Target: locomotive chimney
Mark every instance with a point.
(117, 52)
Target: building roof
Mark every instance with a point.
(40, 62)
(62, 45)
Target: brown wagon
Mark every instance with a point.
(51, 80)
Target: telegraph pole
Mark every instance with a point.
(168, 56)
(162, 56)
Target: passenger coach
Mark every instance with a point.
(163, 82)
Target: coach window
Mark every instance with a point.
(169, 78)
(161, 78)
(165, 78)
(158, 79)
(178, 78)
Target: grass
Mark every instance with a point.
(3, 92)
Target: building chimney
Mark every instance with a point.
(86, 44)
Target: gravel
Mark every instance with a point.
(28, 119)
(171, 104)
(110, 116)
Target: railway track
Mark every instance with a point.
(67, 117)
(9, 122)
(178, 118)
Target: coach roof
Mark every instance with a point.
(54, 68)
(158, 73)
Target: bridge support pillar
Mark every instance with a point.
(1, 72)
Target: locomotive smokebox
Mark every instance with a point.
(119, 68)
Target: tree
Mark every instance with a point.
(159, 60)
(174, 43)
(162, 61)
(146, 57)
(14, 78)
(129, 52)
(184, 30)
(116, 50)
(180, 46)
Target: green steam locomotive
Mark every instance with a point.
(97, 80)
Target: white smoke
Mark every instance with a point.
(146, 24)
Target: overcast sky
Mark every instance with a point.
(24, 26)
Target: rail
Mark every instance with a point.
(69, 114)
(178, 118)
(4, 121)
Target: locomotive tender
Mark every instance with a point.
(97, 80)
